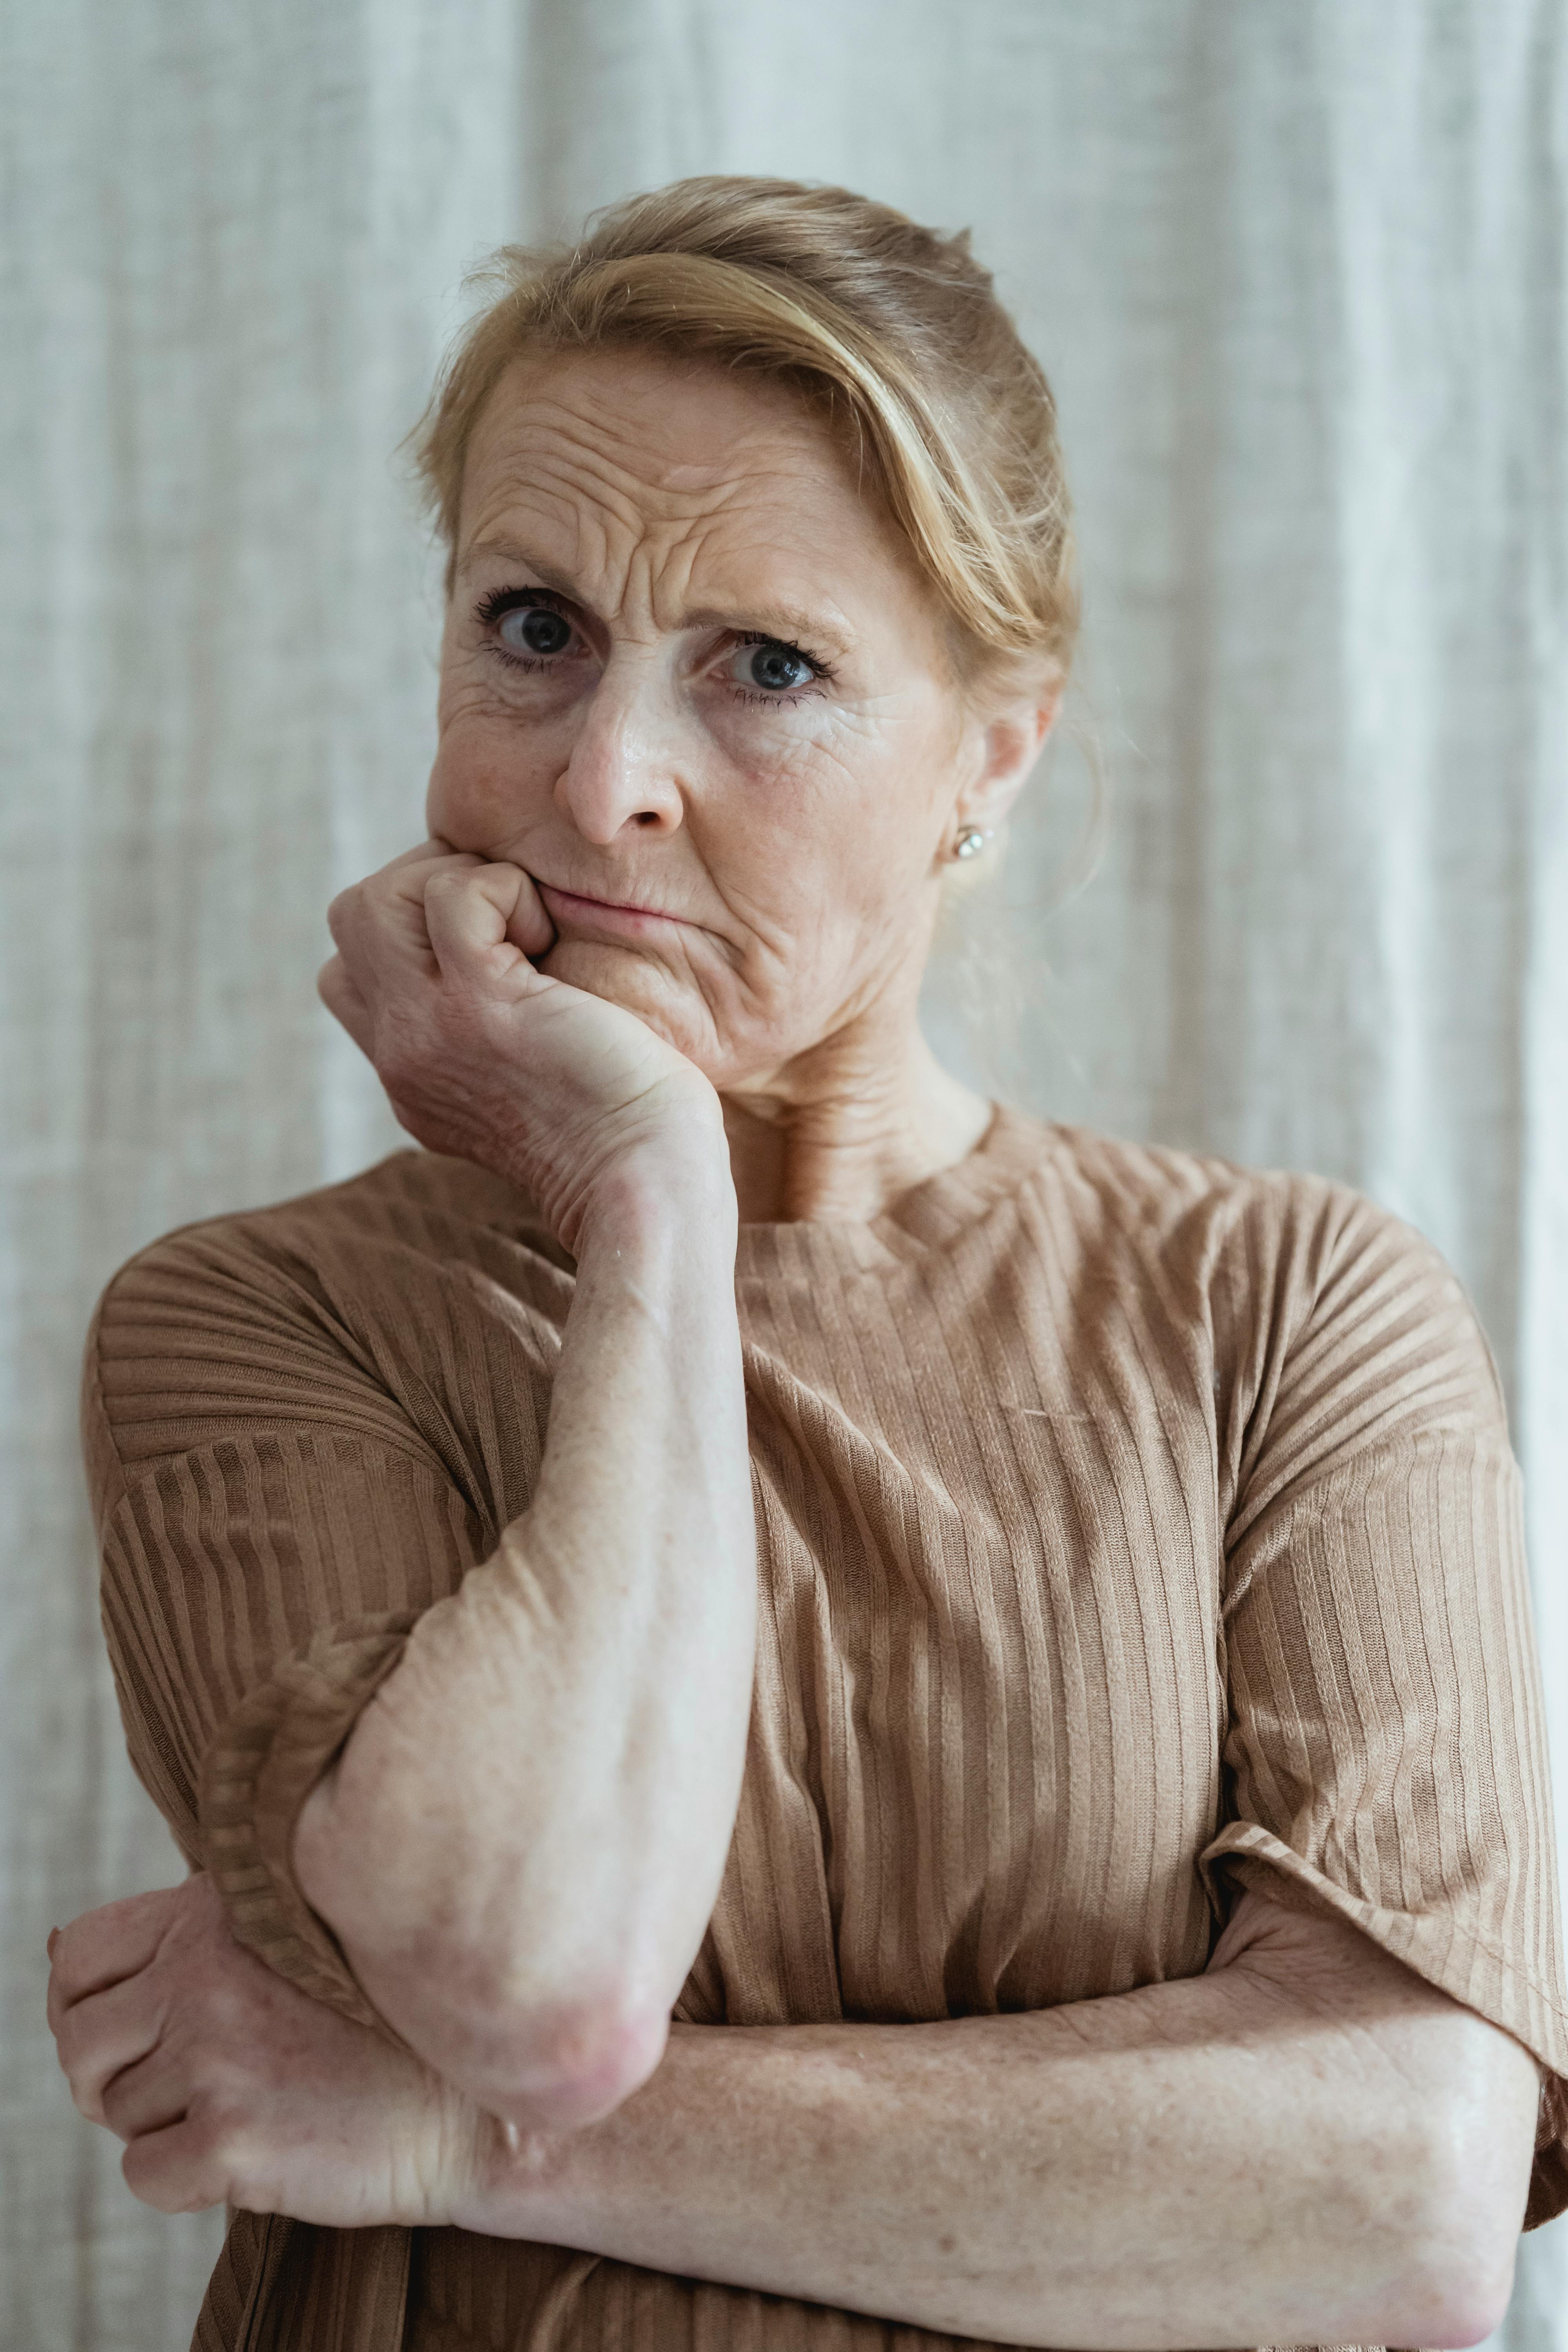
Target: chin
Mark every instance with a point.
(673, 1009)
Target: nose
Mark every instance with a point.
(622, 771)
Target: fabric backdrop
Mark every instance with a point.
(1297, 271)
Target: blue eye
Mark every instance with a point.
(772, 667)
(534, 629)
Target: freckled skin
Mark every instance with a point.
(802, 838)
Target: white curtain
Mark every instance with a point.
(1296, 270)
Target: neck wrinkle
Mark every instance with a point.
(842, 1152)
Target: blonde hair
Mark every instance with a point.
(895, 331)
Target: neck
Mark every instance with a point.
(845, 1130)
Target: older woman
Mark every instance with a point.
(807, 1713)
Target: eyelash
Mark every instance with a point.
(492, 609)
(821, 672)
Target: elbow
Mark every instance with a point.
(1450, 2295)
(559, 2065)
(520, 2032)
(584, 2058)
(1455, 2240)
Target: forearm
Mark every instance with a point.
(523, 1839)
(1214, 2161)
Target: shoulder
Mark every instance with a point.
(414, 1200)
(301, 1263)
(1151, 1198)
(1147, 1208)
(414, 1206)
(1286, 1280)
(336, 1309)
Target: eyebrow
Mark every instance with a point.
(506, 551)
(767, 617)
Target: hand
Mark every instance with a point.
(229, 2085)
(488, 1059)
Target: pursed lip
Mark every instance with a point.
(608, 913)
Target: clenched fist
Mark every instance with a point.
(487, 1058)
(229, 2085)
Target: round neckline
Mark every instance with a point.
(929, 1212)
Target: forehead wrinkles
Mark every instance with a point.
(633, 522)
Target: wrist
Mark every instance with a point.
(675, 1190)
(467, 2153)
(562, 2187)
(507, 2182)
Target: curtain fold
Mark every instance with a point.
(1297, 272)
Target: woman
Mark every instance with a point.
(805, 1713)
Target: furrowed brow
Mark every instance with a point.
(769, 616)
(506, 551)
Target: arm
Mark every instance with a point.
(1307, 2144)
(522, 1843)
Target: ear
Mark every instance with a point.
(1012, 737)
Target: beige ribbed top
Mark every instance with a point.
(1129, 1526)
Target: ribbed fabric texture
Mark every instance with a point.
(1129, 1527)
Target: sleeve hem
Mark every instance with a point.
(255, 1778)
(1443, 1950)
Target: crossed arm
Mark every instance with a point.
(1307, 2143)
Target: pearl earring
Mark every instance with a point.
(970, 844)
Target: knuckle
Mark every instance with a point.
(202, 1997)
(152, 2179)
(87, 2092)
(114, 2105)
(207, 2145)
(74, 2051)
(228, 2015)
(226, 2155)
(66, 2032)
(210, 2129)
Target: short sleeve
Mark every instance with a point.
(1385, 1755)
(273, 1520)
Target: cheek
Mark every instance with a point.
(826, 916)
(489, 775)
(855, 839)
